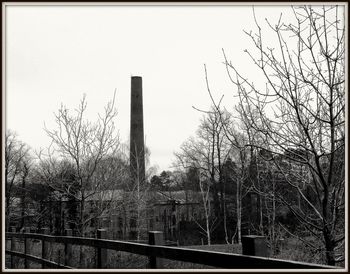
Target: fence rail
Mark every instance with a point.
(36, 259)
(209, 258)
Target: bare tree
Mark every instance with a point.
(242, 159)
(135, 204)
(85, 144)
(16, 170)
(301, 114)
(139, 194)
(56, 177)
(110, 177)
(26, 167)
(204, 187)
(207, 153)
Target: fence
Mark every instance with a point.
(154, 250)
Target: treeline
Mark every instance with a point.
(74, 183)
(283, 143)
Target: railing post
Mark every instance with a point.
(101, 252)
(13, 248)
(155, 238)
(254, 245)
(27, 247)
(68, 249)
(44, 246)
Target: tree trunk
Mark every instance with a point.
(239, 225)
(215, 197)
(81, 228)
(208, 230)
(124, 223)
(327, 233)
(186, 202)
(23, 203)
(261, 222)
(273, 236)
(7, 221)
(225, 221)
(239, 212)
(330, 246)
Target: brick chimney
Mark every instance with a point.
(137, 150)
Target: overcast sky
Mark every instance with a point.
(55, 54)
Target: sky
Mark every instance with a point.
(55, 54)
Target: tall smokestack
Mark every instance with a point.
(137, 151)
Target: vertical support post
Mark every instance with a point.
(13, 248)
(44, 246)
(27, 248)
(253, 245)
(68, 249)
(101, 252)
(155, 238)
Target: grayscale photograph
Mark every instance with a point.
(174, 136)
